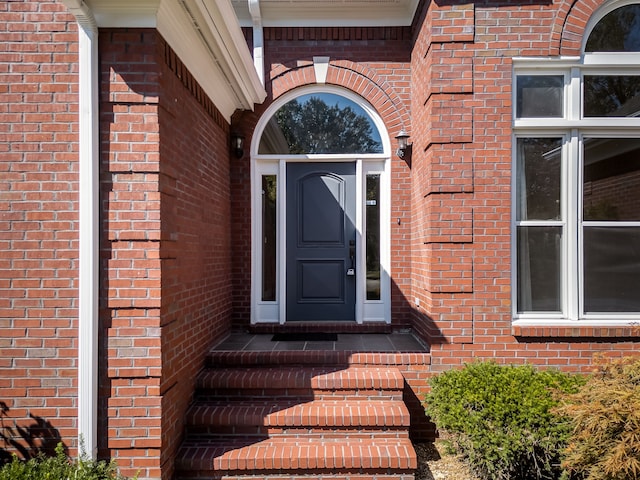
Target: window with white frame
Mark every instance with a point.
(576, 182)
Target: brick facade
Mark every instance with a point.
(38, 224)
(176, 215)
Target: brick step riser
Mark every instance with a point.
(267, 432)
(314, 379)
(341, 359)
(350, 476)
(327, 327)
(305, 395)
(317, 474)
(323, 415)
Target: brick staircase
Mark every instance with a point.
(315, 416)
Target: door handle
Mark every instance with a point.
(352, 256)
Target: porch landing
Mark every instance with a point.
(396, 342)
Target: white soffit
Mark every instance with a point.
(329, 13)
(205, 35)
(123, 14)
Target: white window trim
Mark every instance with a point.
(573, 128)
(274, 312)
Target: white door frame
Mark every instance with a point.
(365, 310)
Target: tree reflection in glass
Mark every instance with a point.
(618, 31)
(320, 124)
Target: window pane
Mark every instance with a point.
(538, 177)
(611, 269)
(320, 123)
(539, 277)
(618, 31)
(611, 96)
(373, 237)
(540, 96)
(611, 190)
(269, 204)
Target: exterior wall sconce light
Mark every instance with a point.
(237, 144)
(403, 143)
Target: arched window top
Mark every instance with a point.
(617, 31)
(320, 123)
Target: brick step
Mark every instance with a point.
(300, 381)
(337, 358)
(299, 457)
(266, 417)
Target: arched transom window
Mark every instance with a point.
(320, 123)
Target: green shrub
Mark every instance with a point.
(59, 467)
(501, 418)
(605, 444)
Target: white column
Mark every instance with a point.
(88, 226)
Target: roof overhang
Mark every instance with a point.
(329, 13)
(207, 37)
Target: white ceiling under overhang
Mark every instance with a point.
(329, 13)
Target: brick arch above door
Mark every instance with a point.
(353, 76)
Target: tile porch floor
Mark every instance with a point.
(355, 342)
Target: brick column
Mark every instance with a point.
(130, 290)
(443, 111)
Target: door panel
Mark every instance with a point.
(320, 241)
(320, 281)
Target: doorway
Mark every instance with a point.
(320, 210)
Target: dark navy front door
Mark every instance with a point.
(321, 245)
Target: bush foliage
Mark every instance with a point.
(606, 414)
(59, 467)
(502, 418)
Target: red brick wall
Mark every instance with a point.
(196, 248)
(373, 62)
(461, 125)
(38, 225)
(166, 246)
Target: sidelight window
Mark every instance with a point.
(372, 213)
(269, 238)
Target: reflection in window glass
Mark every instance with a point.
(611, 188)
(320, 123)
(269, 186)
(539, 174)
(611, 269)
(373, 237)
(611, 96)
(540, 96)
(539, 276)
(618, 31)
